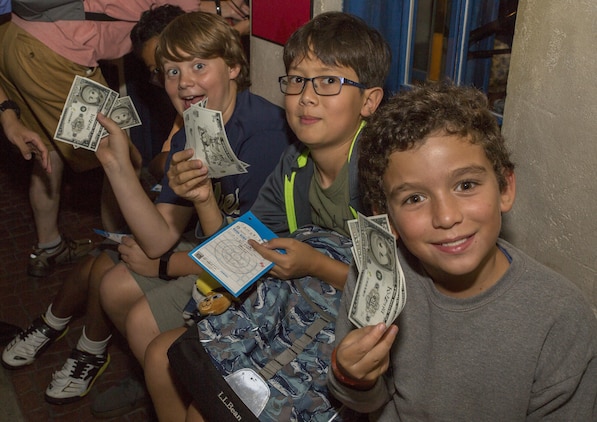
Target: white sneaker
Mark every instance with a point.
(76, 377)
(29, 344)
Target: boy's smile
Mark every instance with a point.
(190, 81)
(445, 204)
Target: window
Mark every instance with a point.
(466, 41)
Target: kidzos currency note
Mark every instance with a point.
(78, 123)
(206, 134)
(380, 292)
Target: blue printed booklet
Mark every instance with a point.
(229, 258)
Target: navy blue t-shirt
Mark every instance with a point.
(258, 134)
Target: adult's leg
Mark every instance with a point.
(118, 293)
(170, 400)
(39, 81)
(44, 196)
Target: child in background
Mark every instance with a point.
(336, 67)
(145, 39)
(487, 333)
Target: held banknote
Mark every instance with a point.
(78, 124)
(207, 137)
(353, 227)
(124, 114)
(380, 292)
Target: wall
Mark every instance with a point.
(550, 121)
(266, 59)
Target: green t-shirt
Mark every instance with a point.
(329, 207)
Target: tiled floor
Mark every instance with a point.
(22, 298)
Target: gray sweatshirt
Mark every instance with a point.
(524, 350)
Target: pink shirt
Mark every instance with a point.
(86, 42)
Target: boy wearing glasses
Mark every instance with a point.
(336, 66)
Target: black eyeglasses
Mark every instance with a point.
(323, 85)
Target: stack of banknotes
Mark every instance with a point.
(380, 293)
(78, 123)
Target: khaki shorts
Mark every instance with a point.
(167, 299)
(39, 81)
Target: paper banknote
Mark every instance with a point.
(124, 114)
(380, 292)
(78, 124)
(353, 227)
(206, 135)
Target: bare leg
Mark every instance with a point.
(141, 328)
(72, 295)
(193, 414)
(169, 399)
(44, 196)
(97, 325)
(118, 293)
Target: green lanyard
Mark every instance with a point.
(301, 162)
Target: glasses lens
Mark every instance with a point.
(292, 85)
(327, 85)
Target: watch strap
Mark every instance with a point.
(10, 105)
(163, 269)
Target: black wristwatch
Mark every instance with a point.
(10, 105)
(163, 271)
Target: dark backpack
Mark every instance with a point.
(284, 330)
(55, 10)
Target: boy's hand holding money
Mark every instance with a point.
(364, 355)
(113, 151)
(188, 178)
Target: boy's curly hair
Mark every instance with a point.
(151, 24)
(406, 120)
(204, 35)
(340, 39)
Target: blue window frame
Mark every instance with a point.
(459, 40)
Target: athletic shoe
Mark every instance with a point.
(76, 377)
(41, 262)
(29, 344)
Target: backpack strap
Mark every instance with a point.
(288, 355)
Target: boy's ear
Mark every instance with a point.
(373, 97)
(234, 71)
(508, 193)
